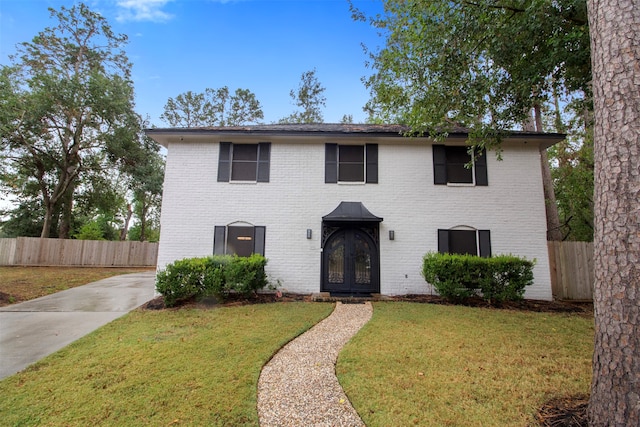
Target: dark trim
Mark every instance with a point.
(372, 163)
(264, 158)
(480, 166)
(439, 165)
(443, 241)
(219, 243)
(330, 163)
(224, 162)
(484, 243)
(260, 233)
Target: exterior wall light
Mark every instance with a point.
(392, 235)
(309, 233)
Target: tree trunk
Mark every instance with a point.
(64, 229)
(615, 53)
(534, 123)
(125, 229)
(46, 223)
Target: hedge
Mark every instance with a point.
(217, 275)
(496, 279)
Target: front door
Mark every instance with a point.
(350, 263)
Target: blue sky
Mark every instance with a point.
(260, 45)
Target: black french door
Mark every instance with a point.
(350, 263)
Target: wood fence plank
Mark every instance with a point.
(572, 270)
(88, 253)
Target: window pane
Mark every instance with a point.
(362, 261)
(351, 163)
(336, 260)
(352, 153)
(351, 172)
(245, 152)
(245, 162)
(463, 242)
(457, 158)
(240, 241)
(243, 171)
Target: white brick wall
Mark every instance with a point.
(296, 198)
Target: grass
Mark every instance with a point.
(19, 284)
(432, 365)
(170, 367)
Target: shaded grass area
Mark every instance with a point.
(19, 284)
(170, 367)
(431, 365)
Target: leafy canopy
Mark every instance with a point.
(214, 107)
(481, 64)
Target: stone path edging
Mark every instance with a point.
(299, 386)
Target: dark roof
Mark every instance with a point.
(351, 212)
(319, 128)
(335, 129)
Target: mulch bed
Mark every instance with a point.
(564, 412)
(559, 412)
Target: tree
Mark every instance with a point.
(67, 103)
(214, 107)
(615, 389)
(309, 98)
(483, 65)
(479, 64)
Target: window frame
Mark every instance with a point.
(441, 166)
(482, 240)
(369, 163)
(221, 238)
(226, 162)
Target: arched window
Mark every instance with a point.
(463, 239)
(238, 238)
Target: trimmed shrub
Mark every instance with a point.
(457, 277)
(211, 276)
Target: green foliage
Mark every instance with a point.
(245, 274)
(218, 276)
(309, 98)
(90, 231)
(214, 107)
(68, 115)
(482, 65)
(496, 279)
(572, 172)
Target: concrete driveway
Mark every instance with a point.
(34, 329)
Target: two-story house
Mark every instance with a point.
(350, 209)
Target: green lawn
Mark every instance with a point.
(412, 364)
(432, 365)
(160, 368)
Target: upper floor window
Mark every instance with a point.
(351, 163)
(244, 162)
(464, 240)
(238, 239)
(449, 166)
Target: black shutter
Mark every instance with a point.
(224, 162)
(372, 163)
(219, 244)
(439, 165)
(259, 235)
(331, 163)
(264, 155)
(481, 167)
(484, 236)
(443, 241)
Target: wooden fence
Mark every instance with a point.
(86, 253)
(572, 274)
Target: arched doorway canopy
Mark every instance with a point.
(351, 212)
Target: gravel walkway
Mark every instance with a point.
(298, 387)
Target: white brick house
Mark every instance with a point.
(350, 208)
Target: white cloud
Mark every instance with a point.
(142, 10)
